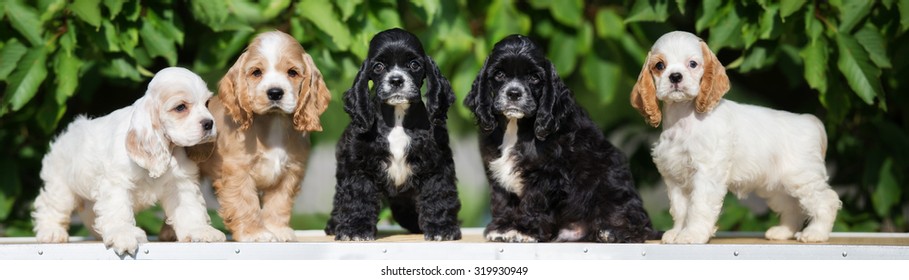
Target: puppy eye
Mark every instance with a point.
(692, 64)
(180, 108)
(534, 79)
(206, 103)
(415, 65)
(500, 76)
(257, 73)
(378, 68)
(292, 73)
(660, 66)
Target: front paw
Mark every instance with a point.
(204, 234)
(284, 234)
(443, 234)
(669, 236)
(779, 233)
(810, 235)
(354, 237)
(689, 237)
(258, 236)
(53, 235)
(510, 236)
(125, 240)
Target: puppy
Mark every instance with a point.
(112, 166)
(267, 103)
(554, 176)
(396, 146)
(711, 145)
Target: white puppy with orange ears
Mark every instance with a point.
(112, 166)
(710, 145)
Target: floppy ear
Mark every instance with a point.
(714, 83)
(313, 98)
(479, 101)
(234, 94)
(643, 95)
(357, 102)
(555, 105)
(145, 143)
(439, 96)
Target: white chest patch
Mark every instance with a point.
(503, 168)
(274, 158)
(398, 142)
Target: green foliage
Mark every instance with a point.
(840, 60)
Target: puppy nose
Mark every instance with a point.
(275, 94)
(513, 94)
(396, 81)
(207, 124)
(675, 78)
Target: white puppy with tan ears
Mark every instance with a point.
(710, 145)
(126, 161)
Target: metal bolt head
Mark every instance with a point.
(586, 250)
(501, 250)
(643, 253)
(40, 252)
(844, 254)
(736, 253)
(237, 251)
(384, 251)
(146, 251)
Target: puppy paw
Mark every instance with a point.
(813, 235)
(453, 233)
(125, 240)
(511, 236)
(260, 236)
(52, 235)
(284, 234)
(779, 233)
(349, 237)
(204, 234)
(606, 236)
(689, 237)
(669, 236)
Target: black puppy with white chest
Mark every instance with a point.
(396, 146)
(554, 176)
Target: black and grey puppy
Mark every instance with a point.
(554, 176)
(396, 146)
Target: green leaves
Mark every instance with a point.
(322, 14)
(89, 11)
(159, 36)
(66, 67)
(568, 12)
(815, 56)
(602, 77)
(855, 65)
(873, 42)
(649, 10)
(788, 7)
(211, 13)
(609, 24)
(887, 192)
(852, 12)
(903, 6)
(25, 20)
(25, 81)
(10, 55)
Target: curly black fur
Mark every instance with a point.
(427, 201)
(573, 178)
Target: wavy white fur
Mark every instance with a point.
(111, 166)
(710, 146)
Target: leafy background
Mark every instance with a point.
(842, 60)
